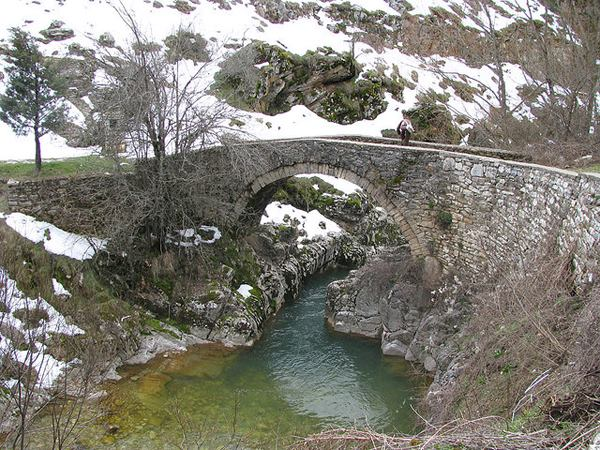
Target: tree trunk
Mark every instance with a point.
(591, 104)
(491, 32)
(38, 151)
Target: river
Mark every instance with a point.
(299, 378)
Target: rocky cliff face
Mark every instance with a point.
(223, 313)
(269, 79)
(391, 299)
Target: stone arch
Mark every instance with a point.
(376, 192)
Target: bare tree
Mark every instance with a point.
(488, 26)
(563, 70)
(159, 105)
(557, 52)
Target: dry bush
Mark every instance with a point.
(161, 110)
(573, 154)
(533, 358)
(458, 434)
(573, 393)
(537, 140)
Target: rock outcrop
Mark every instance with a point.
(279, 266)
(268, 79)
(57, 32)
(389, 300)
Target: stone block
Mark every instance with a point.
(448, 164)
(477, 170)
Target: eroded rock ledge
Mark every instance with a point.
(237, 320)
(395, 298)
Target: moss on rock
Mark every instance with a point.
(269, 79)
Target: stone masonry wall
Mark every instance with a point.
(473, 213)
(66, 202)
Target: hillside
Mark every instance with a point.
(431, 58)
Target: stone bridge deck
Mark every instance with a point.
(473, 209)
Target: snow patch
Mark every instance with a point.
(245, 290)
(340, 184)
(312, 225)
(55, 240)
(19, 148)
(191, 238)
(59, 289)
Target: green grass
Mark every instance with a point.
(595, 168)
(83, 165)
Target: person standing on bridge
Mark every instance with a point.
(404, 130)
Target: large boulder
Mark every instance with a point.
(390, 298)
(357, 303)
(266, 78)
(57, 32)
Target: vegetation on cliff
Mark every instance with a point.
(327, 82)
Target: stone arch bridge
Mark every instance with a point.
(473, 209)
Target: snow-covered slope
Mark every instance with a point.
(88, 19)
(35, 337)
(55, 240)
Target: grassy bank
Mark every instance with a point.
(82, 165)
(595, 168)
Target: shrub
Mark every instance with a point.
(444, 219)
(186, 45)
(532, 338)
(432, 119)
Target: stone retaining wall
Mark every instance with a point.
(66, 202)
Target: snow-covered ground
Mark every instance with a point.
(55, 240)
(19, 148)
(47, 368)
(312, 224)
(89, 19)
(59, 289)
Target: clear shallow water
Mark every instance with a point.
(299, 378)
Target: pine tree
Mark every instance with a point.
(30, 102)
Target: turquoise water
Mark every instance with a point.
(298, 379)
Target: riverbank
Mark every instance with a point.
(298, 379)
